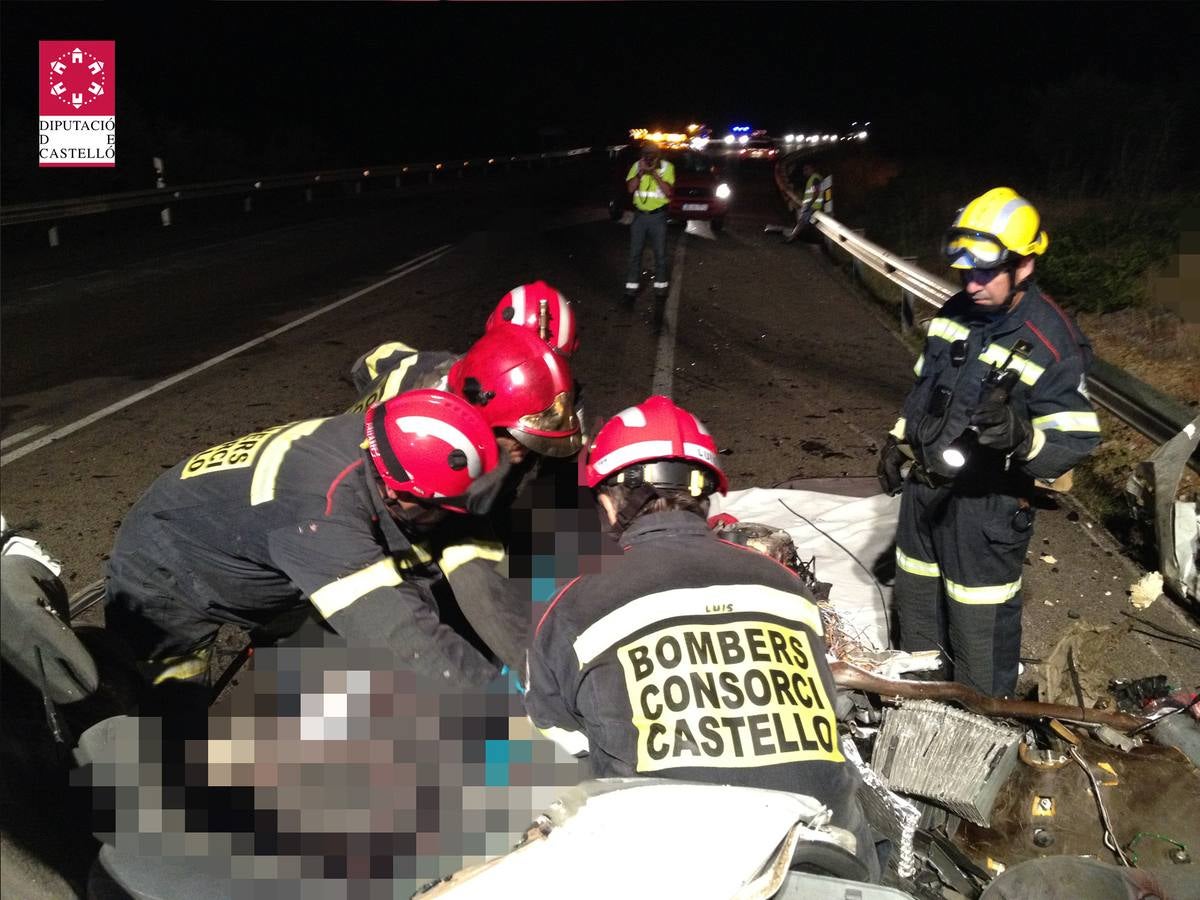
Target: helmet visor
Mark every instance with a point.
(966, 248)
(554, 431)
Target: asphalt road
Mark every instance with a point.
(794, 371)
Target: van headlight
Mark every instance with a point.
(722, 192)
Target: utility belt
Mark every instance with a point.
(650, 212)
(976, 482)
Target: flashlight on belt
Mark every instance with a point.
(998, 385)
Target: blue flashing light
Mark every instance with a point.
(739, 129)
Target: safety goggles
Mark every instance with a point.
(966, 248)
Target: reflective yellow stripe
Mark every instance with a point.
(948, 330)
(1039, 441)
(652, 609)
(389, 389)
(986, 594)
(184, 668)
(916, 566)
(460, 554)
(337, 595)
(898, 429)
(371, 361)
(413, 556)
(920, 364)
(262, 486)
(1030, 372)
(1068, 421)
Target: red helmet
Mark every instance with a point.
(430, 444)
(523, 306)
(650, 434)
(522, 385)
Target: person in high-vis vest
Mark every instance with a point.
(1000, 404)
(358, 517)
(812, 200)
(651, 181)
(690, 657)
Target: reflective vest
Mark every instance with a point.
(649, 196)
(813, 198)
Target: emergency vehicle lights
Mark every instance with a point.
(722, 192)
(740, 129)
(669, 139)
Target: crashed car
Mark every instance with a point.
(979, 797)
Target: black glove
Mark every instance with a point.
(891, 459)
(1002, 427)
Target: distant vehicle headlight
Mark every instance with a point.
(789, 138)
(722, 192)
(744, 139)
(729, 139)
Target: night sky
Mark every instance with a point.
(292, 85)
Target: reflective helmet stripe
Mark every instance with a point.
(633, 417)
(444, 431)
(622, 456)
(517, 296)
(565, 324)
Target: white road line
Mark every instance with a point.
(664, 361)
(20, 436)
(409, 267)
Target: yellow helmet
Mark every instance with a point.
(992, 228)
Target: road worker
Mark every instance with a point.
(692, 657)
(651, 181)
(1000, 404)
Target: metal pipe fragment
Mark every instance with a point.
(857, 679)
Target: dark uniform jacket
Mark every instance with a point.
(692, 658)
(1052, 360)
(393, 368)
(250, 529)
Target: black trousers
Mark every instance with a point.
(959, 560)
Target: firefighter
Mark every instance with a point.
(1000, 404)
(692, 657)
(651, 181)
(355, 518)
(525, 393)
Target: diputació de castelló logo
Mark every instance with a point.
(77, 104)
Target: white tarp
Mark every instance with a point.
(864, 526)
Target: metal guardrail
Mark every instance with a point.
(55, 210)
(1134, 402)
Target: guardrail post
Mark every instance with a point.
(855, 262)
(908, 304)
(396, 182)
(357, 187)
(160, 182)
(431, 177)
(308, 195)
(247, 204)
(52, 234)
